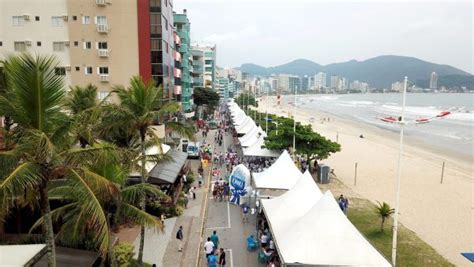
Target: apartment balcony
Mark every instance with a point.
(102, 28)
(102, 2)
(177, 89)
(177, 73)
(103, 52)
(104, 78)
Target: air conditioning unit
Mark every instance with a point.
(102, 28)
(67, 43)
(65, 17)
(26, 17)
(68, 68)
(28, 42)
(103, 52)
(101, 2)
(104, 78)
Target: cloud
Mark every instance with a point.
(242, 34)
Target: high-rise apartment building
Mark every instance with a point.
(204, 65)
(320, 80)
(183, 29)
(434, 81)
(102, 42)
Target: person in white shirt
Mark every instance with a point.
(208, 247)
(264, 240)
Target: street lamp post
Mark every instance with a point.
(401, 121)
(266, 112)
(294, 122)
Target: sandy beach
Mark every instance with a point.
(441, 214)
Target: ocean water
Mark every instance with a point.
(454, 133)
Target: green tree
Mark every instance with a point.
(141, 105)
(43, 150)
(203, 96)
(384, 211)
(84, 106)
(308, 143)
(246, 99)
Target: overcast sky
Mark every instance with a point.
(274, 32)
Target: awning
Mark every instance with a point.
(166, 172)
(20, 255)
(250, 137)
(70, 257)
(283, 174)
(256, 149)
(244, 128)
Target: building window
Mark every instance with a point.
(103, 70)
(166, 47)
(57, 21)
(37, 18)
(58, 46)
(166, 23)
(102, 95)
(156, 57)
(101, 20)
(86, 20)
(88, 70)
(18, 20)
(102, 45)
(76, 43)
(78, 68)
(38, 43)
(74, 18)
(60, 71)
(156, 44)
(156, 69)
(1, 43)
(87, 45)
(20, 46)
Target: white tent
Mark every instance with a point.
(239, 118)
(325, 237)
(257, 150)
(283, 174)
(281, 211)
(152, 151)
(245, 128)
(251, 135)
(239, 124)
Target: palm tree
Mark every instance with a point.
(83, 105)
(384, 211)
(43, 150)
(142, 105)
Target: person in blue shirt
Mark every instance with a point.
(215, 239)
(245, 212)
(212, 260)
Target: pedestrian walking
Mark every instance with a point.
(192, 192)
(346, 205)
(180, 237)
(212, 260)
(208, 248)
(245, 212)
(222, 258)
(215, 239)
(264, 240)
(186, 200)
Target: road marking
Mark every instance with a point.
(230, 256)
(228, 220)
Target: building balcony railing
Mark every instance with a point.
(103, 52)
(102, 2)
(104, 78)
(102, 28)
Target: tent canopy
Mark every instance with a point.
(256, 149)
(283, 174)
(240, 124)
(251, 137)
(330, 238)
(247, 127)
(294, 203)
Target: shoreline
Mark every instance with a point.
(440, 214)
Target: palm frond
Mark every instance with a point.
(183, 129)
(135, 193)
(140, 217)
(25, 177)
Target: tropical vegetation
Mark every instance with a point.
(384, 211)
(76, 149)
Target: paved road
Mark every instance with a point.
(226, 219)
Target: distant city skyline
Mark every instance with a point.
(271, 33)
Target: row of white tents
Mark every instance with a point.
(253, 135)
(308, 227)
